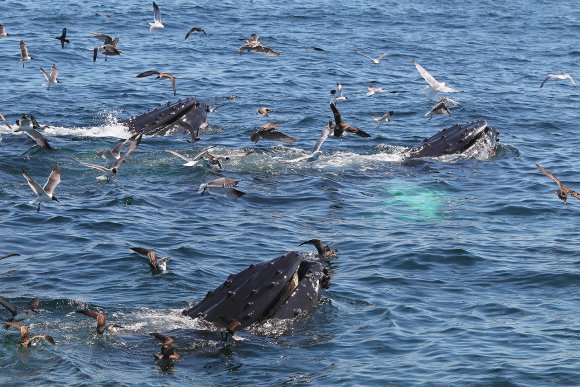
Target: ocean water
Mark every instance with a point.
(451, 271)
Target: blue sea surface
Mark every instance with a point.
(450, 271)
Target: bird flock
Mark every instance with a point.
(270, 131)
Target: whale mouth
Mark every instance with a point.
(286, 287)
(473, 140)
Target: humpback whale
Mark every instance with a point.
(287, 287)
(181, 117)
(474, 140)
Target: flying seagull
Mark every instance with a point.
(223, 185)
(62, 38)
(563, 190)
(340, 127)
(316, 152)
(27, 126)
(24, 57)
(337, 95)
(160, 75)
(112, 155)
(190, 161)
(114, 169)
(433, 83)
(156, 24)
(44, 194)
(376, 60)
(52, 77)
(194, 29)
(269, 131)
(558, 76)
(384, 118)
(156, 265)
(264, 111)
(439, 108)
(374, 90)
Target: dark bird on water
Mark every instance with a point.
(324, 251)
(63, 38)
(340, 127)
(269, 132)
(25, 339)
(156, 265)
(101, 320)
(563, 190)
(167, 352)
(19, 314)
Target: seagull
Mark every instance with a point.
(35, 124)
(376, 60)
(9, 255)
(156, 19)
(109, 47)
(340, 127)
(435, 86)
(3, 33)
(4, 121)
(439, 108)
(156, 265)
(112, 155)
(19, 315)
(25, 125)
(384, 118)
(101, 320)
(558, 76)
(374, 90)
(194, 29)
(337, 94)
(190, 161)
(263, 111)
(24, 57)
(223, 185)
(44, 194)
(564, 191)
(316, 152)
(114, 169)
(253, 40)
(167, 351)
(62, 38)
(260, 49)
(269, 132)
(25, 339)
(160, 75)
(323, 251)
(52, 77)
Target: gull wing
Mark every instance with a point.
(275, 135)
(551, 176)
(23, 50)
(35, 187)
(426, 76)
(106, 39)
(46, 75)
(156, 13)
(94, 166)
(181, 156)
(129, 151)
(53, 181)
(363, 54)
(325, 133)
(224, 182)
(37, 137)
(116, 150)
(147, 73)
(336, 114)
(4, 121)
(53, 73)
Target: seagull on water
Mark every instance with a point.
(156, 265)
(156, 24)
(433, 83)
(27, 126)
(3, 33)
(25, 339)
(160, 75)
(62, 38)
(340, 127)
(558, 76)
(223, 186)
(101, 320)
(52, 77)
(191, 161)
(194, 29)
(563, 190)
(114, 169)
(376, 60)
(24, 57)
(20, 314)
(384, 118)
(44, 194)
